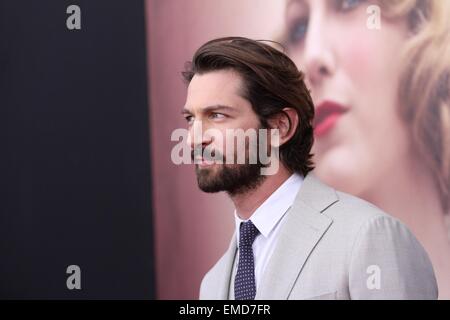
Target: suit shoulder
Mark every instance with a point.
(352, 208)
(351, 215)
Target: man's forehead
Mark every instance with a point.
(214, 90)
(216, 82)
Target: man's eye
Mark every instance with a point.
(217, 116)
(348, 5)
(189, 119)
(297, 32)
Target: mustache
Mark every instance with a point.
(208, 155)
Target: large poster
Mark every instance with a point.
(378, 73)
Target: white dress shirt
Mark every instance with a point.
(268, 219)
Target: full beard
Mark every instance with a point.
(234, 179)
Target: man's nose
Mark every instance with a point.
(196, 137)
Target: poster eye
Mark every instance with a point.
(347, 5)
(298, 31)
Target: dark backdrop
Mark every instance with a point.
(74, 159)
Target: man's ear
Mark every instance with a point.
(286, 121)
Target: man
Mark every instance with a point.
(296, 238)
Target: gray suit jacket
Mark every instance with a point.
(335, 246)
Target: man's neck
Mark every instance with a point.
(248, 202)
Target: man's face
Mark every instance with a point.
(214, 108)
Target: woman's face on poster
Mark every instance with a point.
(353, 73)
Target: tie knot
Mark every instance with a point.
(247, 233)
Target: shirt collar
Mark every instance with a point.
(270, 212)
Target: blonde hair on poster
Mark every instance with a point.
(425, 82)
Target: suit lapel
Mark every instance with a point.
(226, 268)
(304, 226)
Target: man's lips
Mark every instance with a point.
(202, 162)
(201, 159)
(327, 115)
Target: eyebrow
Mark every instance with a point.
(207, 109)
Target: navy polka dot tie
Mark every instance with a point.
(244, 283)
